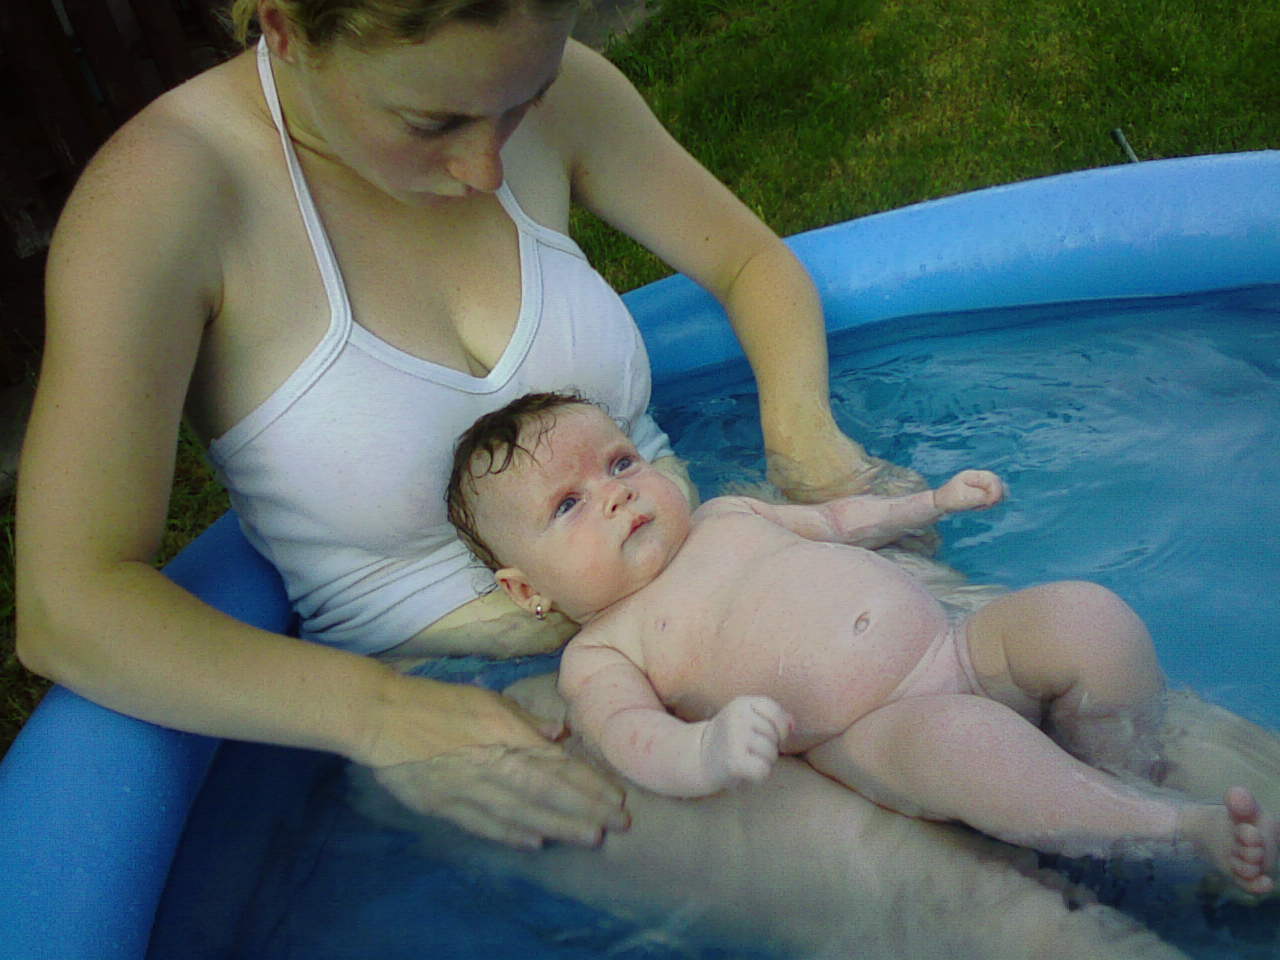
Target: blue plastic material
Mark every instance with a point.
(1158, 228)
(92, 803)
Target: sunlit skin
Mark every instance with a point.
(422, 121)
(771, 629)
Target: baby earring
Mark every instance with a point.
(538, 612)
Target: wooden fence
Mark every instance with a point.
(71, 72)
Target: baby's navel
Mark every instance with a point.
(860, 625)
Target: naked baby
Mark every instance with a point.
(713, 641)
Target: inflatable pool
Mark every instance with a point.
(93, 804)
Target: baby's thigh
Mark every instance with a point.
(916, 755)
(948, 667)
(1029, 647)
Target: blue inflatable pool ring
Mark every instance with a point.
(93, 803)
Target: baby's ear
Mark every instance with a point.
(517, 586)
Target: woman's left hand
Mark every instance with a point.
(834, 466)
(827, 465)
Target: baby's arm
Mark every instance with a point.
(870, 521)
(614, 707)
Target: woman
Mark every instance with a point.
(432, 150)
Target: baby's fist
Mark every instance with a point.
(969, 490)
(741, 741)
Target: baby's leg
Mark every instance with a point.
(971, 759)
(1075, 658)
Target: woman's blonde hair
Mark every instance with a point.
(373, 22)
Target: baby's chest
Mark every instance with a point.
(745, 621)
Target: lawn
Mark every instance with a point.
(815, 111)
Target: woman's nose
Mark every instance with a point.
(477, 157)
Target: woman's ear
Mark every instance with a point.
(277, 30)
(522, 593)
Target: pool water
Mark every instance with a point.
(1141, 444)
(1140, 441)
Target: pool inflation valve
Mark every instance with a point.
(1118, 136)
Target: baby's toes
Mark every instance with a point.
(1260, 885)
(1245, 867)
(1248, 839)
(1248, 862)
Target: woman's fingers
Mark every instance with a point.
(517, 795)
(482, 761)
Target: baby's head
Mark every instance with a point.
(553, 497)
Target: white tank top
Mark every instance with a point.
(339, 475)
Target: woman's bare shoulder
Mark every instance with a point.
(160, 204)
(183, 157)
(589, 97)
(587, 75)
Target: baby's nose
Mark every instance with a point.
(617, 495)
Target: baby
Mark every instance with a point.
(713, 641)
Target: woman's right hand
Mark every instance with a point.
(483, 762)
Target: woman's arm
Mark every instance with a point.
(488, 626)
(133, 277)
(629, 171)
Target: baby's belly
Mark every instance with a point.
(828, 631)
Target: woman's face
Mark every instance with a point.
(428, 120)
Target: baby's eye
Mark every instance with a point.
(623, 464)
(565, 505)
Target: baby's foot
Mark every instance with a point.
(1237, 838)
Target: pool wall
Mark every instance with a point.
(1149, 229)
(92, 803)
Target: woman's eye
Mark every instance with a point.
(565, 505)
(432, 129)
(425, 132)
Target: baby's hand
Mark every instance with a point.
(969, 490)
(741, 741)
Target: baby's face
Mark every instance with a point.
(587, 520)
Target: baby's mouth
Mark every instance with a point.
(638, 522)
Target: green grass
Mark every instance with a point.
(19, 690)
(815, 111)
(818, 111)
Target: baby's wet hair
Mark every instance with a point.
(496, 436)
